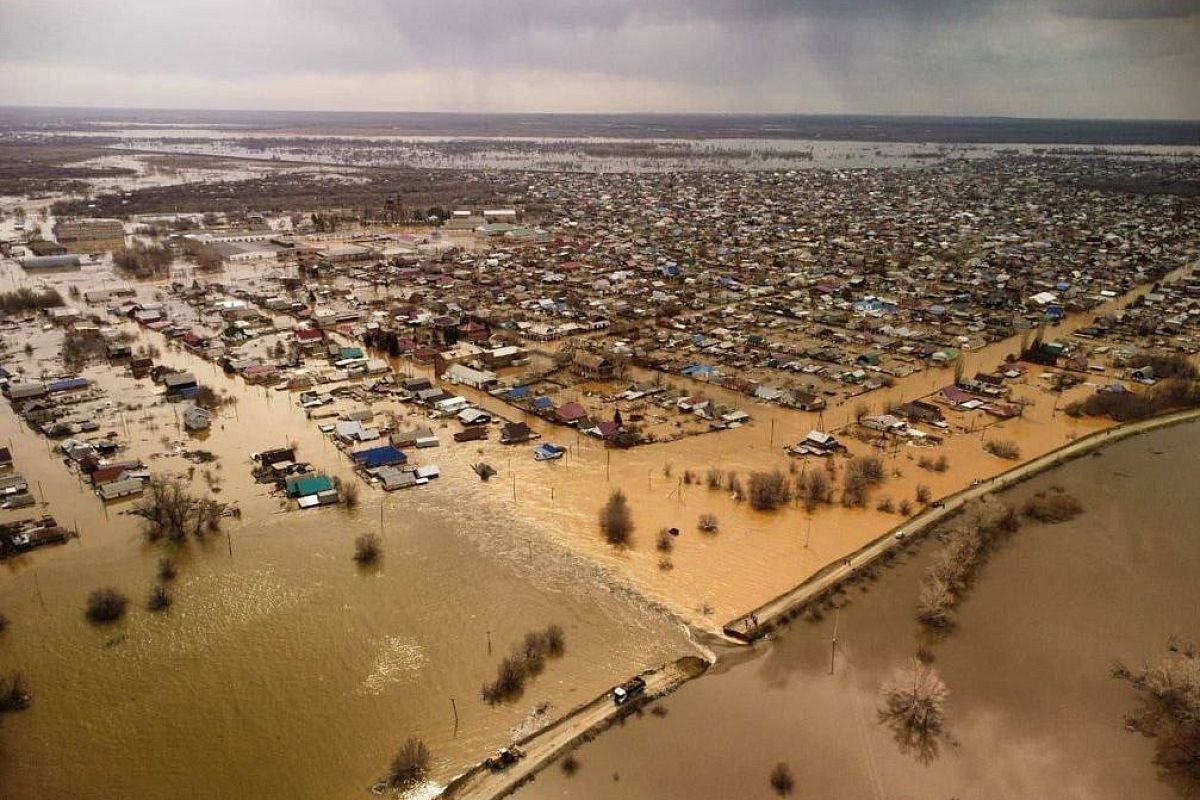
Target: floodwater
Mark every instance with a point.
(1032, 710)
(571, 154)
(293, 674)
(282, 669)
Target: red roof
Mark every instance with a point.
(107, 474)
(570, 412)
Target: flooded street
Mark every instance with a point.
(1032, 709)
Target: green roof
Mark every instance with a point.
(308, 484)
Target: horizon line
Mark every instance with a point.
(796, 114)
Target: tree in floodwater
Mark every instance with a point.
(1169, 713)
(616, 520)
(368, 548)
(14, 693)
(169, 511)
(410, 766)
(105, 605)
(781, 779)
(913, 705)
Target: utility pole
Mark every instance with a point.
(833, 642)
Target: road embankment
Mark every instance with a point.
(581, 723)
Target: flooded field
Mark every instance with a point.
(1032, 709)
(586, 153)
(282, 669)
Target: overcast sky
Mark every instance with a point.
(1055, 58)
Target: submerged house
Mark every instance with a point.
(311, 490)
(196, 418)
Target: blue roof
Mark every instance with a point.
(67, 384)
(543, 402)
(517, 393)
(384, 456)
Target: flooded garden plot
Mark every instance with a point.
(1032, 708)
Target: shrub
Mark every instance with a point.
(570, 765)
(166, 569)
(714, 478)
(666, 542)
(159, 600)
(815, 489)
(689, 477)
(1052, 506)
(939, 464)
(410, 766)
(616, 520)
(923, 494)
(509, 682)
(1003, 448)
(526, 660)
(905, 507)
(862, 473)
(14, 694)
(708, 523)
(349, 493)
(368, 548)
(781, 779)
(769, 490)
(556, 640)
(3, 622)
(886, 506)
(105, 605)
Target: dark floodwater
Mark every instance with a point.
(1033, 711)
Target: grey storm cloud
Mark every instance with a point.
(923, 56)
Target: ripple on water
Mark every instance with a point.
(398, 659)
(217, 605)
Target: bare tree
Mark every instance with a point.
(913, 705)
(169, 511)
(410, 766)
(1169, 713)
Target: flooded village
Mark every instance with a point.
(370, 466)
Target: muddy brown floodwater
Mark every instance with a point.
(282, 670)
(1032, 709)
